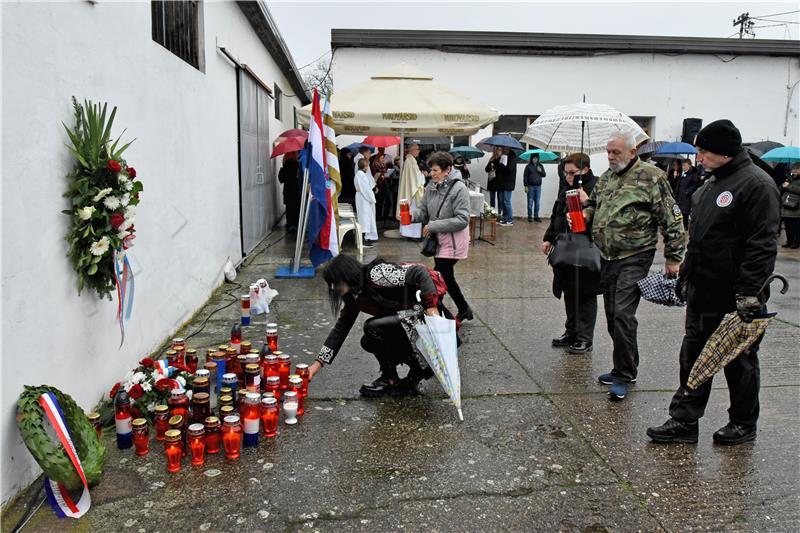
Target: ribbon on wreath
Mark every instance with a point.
(123, 278)
(57, 495)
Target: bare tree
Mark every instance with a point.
(318, 76)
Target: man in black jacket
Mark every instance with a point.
(733, 241)
(685, 186)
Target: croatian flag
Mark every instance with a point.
(321, 234)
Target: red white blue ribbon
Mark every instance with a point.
(123, 278)
(57, 496)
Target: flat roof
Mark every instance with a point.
(560, 44)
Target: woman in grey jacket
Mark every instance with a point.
(444, 210)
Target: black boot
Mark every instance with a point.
(734, 434)
(674, 431)
(580, 347)
(564, 340)
(383, 386)
(466, 315)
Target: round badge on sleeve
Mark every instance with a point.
(724, 199)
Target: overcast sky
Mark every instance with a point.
(306, 26)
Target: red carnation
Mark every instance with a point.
(117, 220)
(114, 166)
(114, 391)
(166, 384)
(136, 392)
(131, 172)
(146, 362)
(135, 412)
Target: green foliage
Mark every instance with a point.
(50, 455)
(99, 190)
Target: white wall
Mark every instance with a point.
(186, 154)
(751, 91)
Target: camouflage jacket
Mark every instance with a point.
(625, 213)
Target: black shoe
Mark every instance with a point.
(787, 245)
(530, 220)
(406, 386)
(537, 219)
(564, 340)
(465, 315)
(383, 386)
(734, 434)
(580, 347)
(674, 431)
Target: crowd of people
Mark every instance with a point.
(719, 224)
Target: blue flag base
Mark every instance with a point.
(304, 272)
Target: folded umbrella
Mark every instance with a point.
(734, 336)
(659, 289)
(438, 344)
(543, 156)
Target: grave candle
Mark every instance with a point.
(197, 444)
(290, 407)
(213, 436)
(269, 416)
(284, 366)
(250, 419)
(272, 336)
(141, 436)
(232, 436)
(123, 419)
(161, 421)
(296, 385)
(172, 449)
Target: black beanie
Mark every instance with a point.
(720, 137)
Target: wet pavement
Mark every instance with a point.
(541, 447)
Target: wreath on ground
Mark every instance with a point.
(50, 455)
(103, 193)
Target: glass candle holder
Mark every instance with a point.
(290, 407)
(274, 386)
(232, 436)
(296, 385)
(161, 421)
(97, 424)
(213, 386)
(246, 347)
(213, 434)
(226, 410)
(251, 417)
(173, 450)
(270, 365)
(179, 423)
(190, 360)
(252, 378)
(231, 363)
(201, 384)
(178, 404)
(201, 407)
(123, 419)
(284, 366)
(197, 443)
(226, 400)
(141, 436)
(229, 380)
(301, 369)
(219, 359)
(171, 357)
(269, 416)
(272, 336)
(179, 345)
(244, 306)
(241, 361)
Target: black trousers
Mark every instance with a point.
(292, 211)
(386, 339)
(621, 297)
(742, 374)
(445, 267)
(581, 314)
(792, 226)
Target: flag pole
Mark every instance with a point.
(301, 236)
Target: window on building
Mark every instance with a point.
(278, 103)
(177, 26)
(648, 124)
(514, 125)
(461, 141)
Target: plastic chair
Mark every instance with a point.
(351, 224)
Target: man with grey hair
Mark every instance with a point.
(628, 205)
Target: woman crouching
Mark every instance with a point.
(388, 292)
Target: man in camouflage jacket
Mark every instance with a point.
(628, 205)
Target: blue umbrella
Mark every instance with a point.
(507, 141)
(467, 152)
(543, 156)
(676, 148)
(784, 154)
(355, 147)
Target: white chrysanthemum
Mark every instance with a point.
(130, 211)
(122, 179)
(181, 381)
(150, 406)
(128, 185)
(125, 199)
(86, 213)
(111, 202)
(99, 247)
(101, 194)
(138, 377)
(147, 387)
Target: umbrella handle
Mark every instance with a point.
(773, 276)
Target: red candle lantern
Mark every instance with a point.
(272, 336)
(269, 416)
(405, 212)
(232, 436)
(213, 435)
(201, 407)
(161, 421)
(251, 416)
(296, 385)
(190, 360)
(94, 419)
(179, 423)
(284, 367)
(226, 410)
(236, 337)
(171, 356)
(178, 404)
(270, 365)
(173, 450)
(301, 369)
(231, 362)
(273, 385)
(197, 444)
(252, 378)
(179, 345)
(141, 436)
(575, 211)
(241, 361)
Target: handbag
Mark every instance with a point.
(791, 200)
(574, 250)
(430, 245)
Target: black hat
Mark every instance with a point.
(720, 137)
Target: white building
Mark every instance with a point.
(660, 81)
(204, 117)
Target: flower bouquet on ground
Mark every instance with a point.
(489, 212)
(147, 387)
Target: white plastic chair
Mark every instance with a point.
(347, 224)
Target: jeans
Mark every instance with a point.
(742, 374)
(621, 297)
(445, 267)
(496, 200)
(508, 212)
(534, 194)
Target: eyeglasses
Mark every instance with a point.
(575, 173)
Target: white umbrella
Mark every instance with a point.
(438, 344)
(580, 127)
(405, 100)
